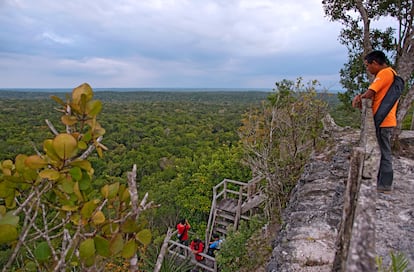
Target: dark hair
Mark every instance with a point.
(377, 56)
(182, 221)
(216, 236)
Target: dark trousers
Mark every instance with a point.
(385, 173)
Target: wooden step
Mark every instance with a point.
(228, 205)
(223, 223)
(254, 202)
(220, 230)
(225, 215)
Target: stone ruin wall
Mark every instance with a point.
(329, 223)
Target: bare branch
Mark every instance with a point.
(46, 233)
(51, 127)
(29, 221)
(68, 112)
(90, 149)
(132, 187)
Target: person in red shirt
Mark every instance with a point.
(182, 231)
(197, 247)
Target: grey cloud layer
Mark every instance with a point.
(162, 43)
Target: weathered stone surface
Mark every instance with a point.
(395, 214)
(306, 241)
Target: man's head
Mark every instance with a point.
(375, 61)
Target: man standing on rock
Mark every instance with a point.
(376, 64)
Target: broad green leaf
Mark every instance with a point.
(99, 151)
(76, 219)
(102, 246)
(125, 196)
(58, 100)
(6, 189)
(82, 145)
(14, 181)
(19, 163)
(99, 131)
(105, 191)
(10, 201)
(83, 164)
(88, 209)
(84, 89)
(76, 173)
(93, 107)
(123, 193)
(9, 219)
(129, 250)
(66, 185)
(89, 261)
(7, 164)
(85, 183)
(77, 191)
(69, 208)
(6, 171)
(98, 218)
(42, 252)
(8, 233)
(129, 226)
(117, 244)
(65, 145)
(35, 162)
(30, 175)
(87, 248)
(113, 190)
(69, 120)
(50, 150)
(144, 237)
(49, 174)
(87, 136)
(109, 229)
(30, 266)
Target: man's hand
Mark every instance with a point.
(357, 102)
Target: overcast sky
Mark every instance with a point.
(167, 43)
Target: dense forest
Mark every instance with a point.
(183, 144)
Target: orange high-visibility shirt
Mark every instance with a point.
(380, 86)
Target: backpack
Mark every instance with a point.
(389, 100)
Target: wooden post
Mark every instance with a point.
(163, 250)
(350, 201)
(238, 210)
(356, 238)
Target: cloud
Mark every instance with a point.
(163, 43)
(55, 38)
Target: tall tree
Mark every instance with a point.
(279, 137)
(360, 37)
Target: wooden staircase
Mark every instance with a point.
(232, 201)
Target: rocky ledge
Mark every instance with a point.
(306, 241)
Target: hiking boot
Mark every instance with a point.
(384, 189)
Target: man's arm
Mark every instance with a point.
(357, 101)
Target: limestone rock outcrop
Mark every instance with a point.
(311, 221)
